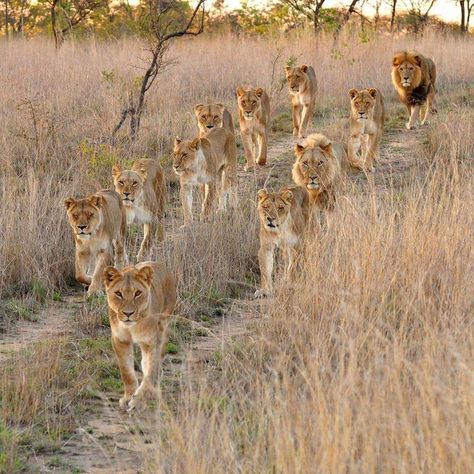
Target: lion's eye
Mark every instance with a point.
(305, 164)
(88, 215)
(320, 163)
(138, 293)
(216, 117)
(281, 208)
(75, 216)
(135, 183)
(118, 294)
(254, 102)
(121, 183)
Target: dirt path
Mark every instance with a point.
(109, 441)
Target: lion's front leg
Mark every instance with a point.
(103, 259)
(292, 255)
(149, 230)
(82, 262)
(247, 142)
(262, 148)
(353, 151)
(124, 353)
(415, 112)
(265, 260)
(186, 194)
(306, 117)
(209, 199)
(151, 365)
(296, 118)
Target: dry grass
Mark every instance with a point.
(365, 364)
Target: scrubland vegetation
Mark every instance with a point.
(364, 364)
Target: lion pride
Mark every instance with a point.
(414, 79)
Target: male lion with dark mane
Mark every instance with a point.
(414, 78)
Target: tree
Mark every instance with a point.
(66, 14)
(166, 24)
(393, 12)
(419, 12)
(311, 9)
(466, 9)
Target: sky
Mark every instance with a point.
(448, 10)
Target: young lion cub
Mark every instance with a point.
(143, 193)
(254, 116)
(366, 127)
(283, 218)
(303, 87)
(98, 224)
(141, 299)
(209, 161)
(210, 116)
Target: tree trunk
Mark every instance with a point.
(392, 18)
(463, 15)
(6, 19)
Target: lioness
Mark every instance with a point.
(209, 161)
(98, 224)
(414, 78)
(366, 127)
(283, 218)
(254, 116)
(210, 116)
(141, 299)
(143, 193)
(318, 169)
(303, 87)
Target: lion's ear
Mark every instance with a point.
(177, 141)
(142, 173)
(221, 107)
(327, 148)
(110, 274)
(288, 68)
(259, 92)
(287, 195)
(116, 171)
(145, 274)
(69, 202)
(195, 144)
(262, 194)
(373, 92)
(96, 201)
(299, 148)
(240, 91)
(304, 67)
(353, 93)
(197, 108)
(397, 59)
(417, 59)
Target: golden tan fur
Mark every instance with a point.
(209, 161)
(366, 127)
(98, 225)
(317, 169)
(303, 87)
(210, 116)
(143, 193)
(283, 218)
(254, 117)
(141, 299)
(414, 79)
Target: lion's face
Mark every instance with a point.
(407, 66)
(185, 155)
(363, 103)
(128, 292)
(209, 116)
(296, 77)
(314, 168)
(274, 208)
(249, 101)
(84, 215)
(128, 184)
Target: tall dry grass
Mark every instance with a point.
(58, 111)
(365, 363)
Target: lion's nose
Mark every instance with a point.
(126, 194)
(361, 113)
(405, 78)
(210, 126)
(128, 313)
(81, 227)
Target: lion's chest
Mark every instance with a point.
(138, 214)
